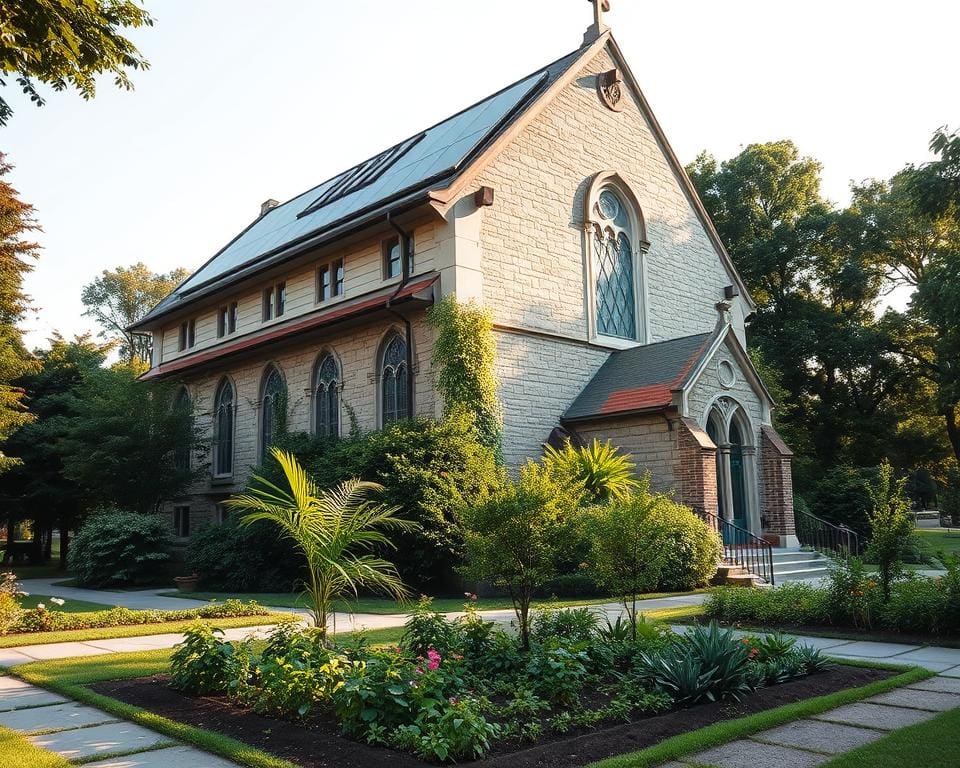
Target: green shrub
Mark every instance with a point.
(692, 549)
(203, 663)
(236, 558)
(115, 548)
(853, 594)
(296, 671)
(571, 585)
(606, 473)
(891, 526)
(557, 673)
(454, 730)
(572, 625)
(842, 496)
(426, 629)
(430, 469)
(916, 606)
(791, 604)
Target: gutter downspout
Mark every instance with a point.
(404, 240)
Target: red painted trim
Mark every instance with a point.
(342, 312)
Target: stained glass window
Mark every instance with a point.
(615, 289)
(394, 382)
(272, 405)
(223, 430)
(327, 398)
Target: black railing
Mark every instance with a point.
(742, 548)
(826, 537)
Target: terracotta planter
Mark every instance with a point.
(187, 583)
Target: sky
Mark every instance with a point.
(247, 100)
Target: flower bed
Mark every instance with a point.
(455, 691)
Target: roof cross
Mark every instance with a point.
(599, 26)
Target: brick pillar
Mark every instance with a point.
(777, 483)
(696, 471)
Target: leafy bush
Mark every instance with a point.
(426, 629)
(455, 730)
(296, 671)
(115, 548)
(606, 473)
(891, 526)
(203, 663)
(842, 496)
(790, 604)
(571, 585)
(853, 594)
(238, 558)
(692, 549)
(430, 469)
(572, 625)
(557, 673)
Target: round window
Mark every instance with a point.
(726, 373)
(608, 205)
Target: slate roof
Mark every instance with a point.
(640, 378)
(429, 159)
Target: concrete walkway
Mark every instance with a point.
(818, 739)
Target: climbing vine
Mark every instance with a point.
(464, 355)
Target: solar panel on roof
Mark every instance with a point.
(361, 175)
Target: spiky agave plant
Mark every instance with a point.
(339, 531)
(607, 474)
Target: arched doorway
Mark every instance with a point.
(728, 426)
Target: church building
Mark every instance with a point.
(557, 203)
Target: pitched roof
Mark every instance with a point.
(433, 157)
(640, 378)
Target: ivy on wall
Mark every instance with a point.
(464, 355)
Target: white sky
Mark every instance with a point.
(247, 100)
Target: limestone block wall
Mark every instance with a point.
(648, 439)
(539, 379)
(533, 238)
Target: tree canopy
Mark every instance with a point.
(67, 45)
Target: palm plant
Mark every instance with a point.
(339, 532)
(607, 474)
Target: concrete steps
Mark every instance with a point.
(795, 564)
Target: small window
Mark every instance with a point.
(227, 320)
(270, 304)
(281, 298)
(222, 514)
(182, 340)
(392, 263)
(330, 280)
(181, 522)
(188, 335)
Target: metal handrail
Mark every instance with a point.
(826, 537)
(743, 548)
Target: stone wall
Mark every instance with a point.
(777, 484)
(696, 467)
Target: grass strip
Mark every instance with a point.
(381, 606)
(136, 630)
(69, 606)
(17, 750)
(720, 733)
(932, 744)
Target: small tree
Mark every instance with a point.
(515, 536)
(338, 531)
(627, 546)
(605, 472)
(891, 526)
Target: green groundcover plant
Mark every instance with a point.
(453, 688)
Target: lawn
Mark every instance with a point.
(386, 606)
(932, 744)
(939, 540)
(16, 750)
(69, 606)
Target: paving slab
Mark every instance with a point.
(98, 740)
(56, 717)
(30, 698)
(928, 700)
(816, 735)
(750, 754)
(875, 716)
(865, 648)
(14, 685)
(939, 683)
(13, 658)
(823, 643)
(169, 757)
(60, 650)
(949, 656)
(951, 672)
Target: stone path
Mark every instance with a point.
(90, 736)
(818, 739)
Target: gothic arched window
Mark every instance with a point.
(273, 404)
(616, 242)
(223, 414)
(326, 397)
(394, 382)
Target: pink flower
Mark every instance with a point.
(419, 671)
(434, 660)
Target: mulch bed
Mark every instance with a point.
(318, 743)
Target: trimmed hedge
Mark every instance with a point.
(115, 548)
(43, 620)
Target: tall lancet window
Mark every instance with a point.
(273, 404)
(394, 382)
(223, 413)
(615, 238)
(326, 394)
